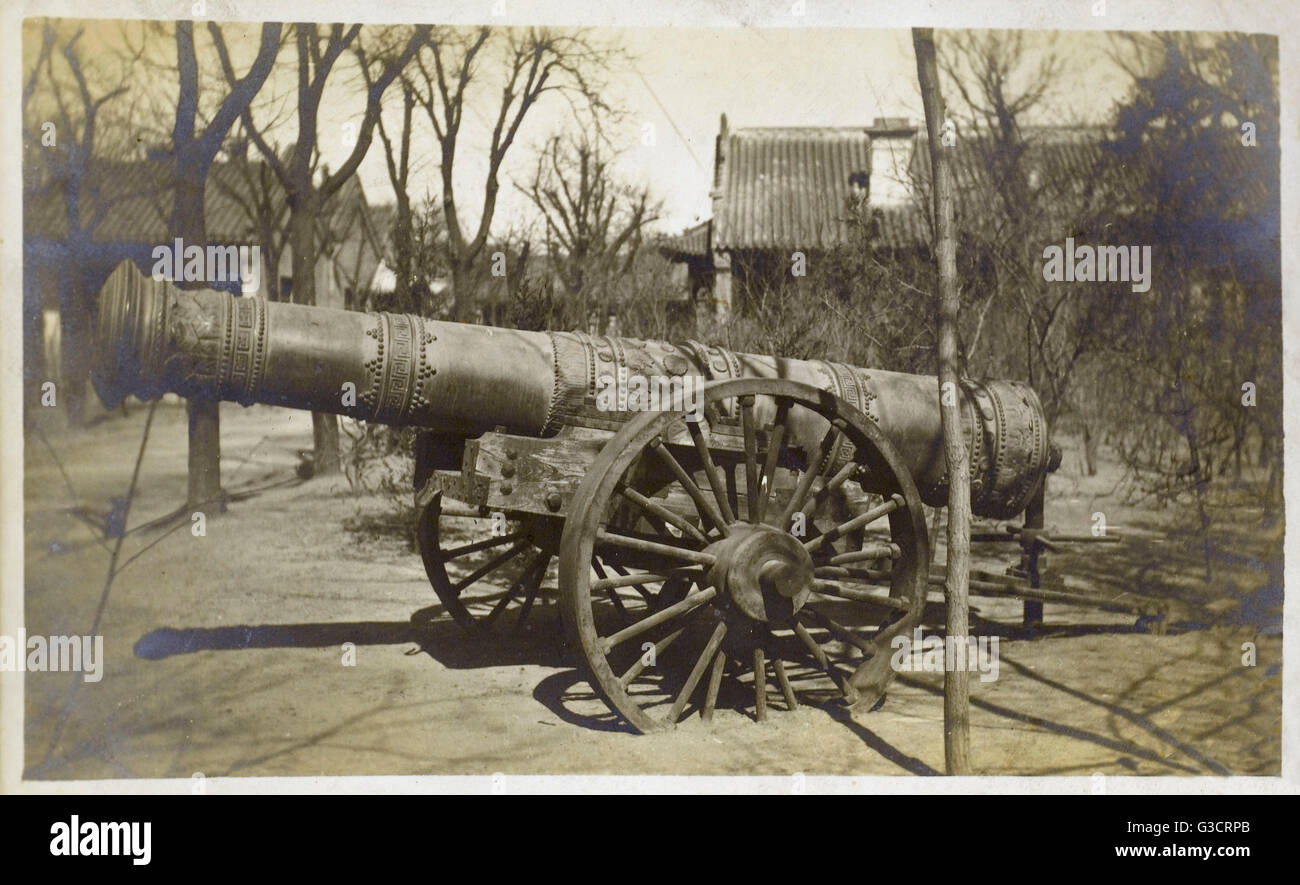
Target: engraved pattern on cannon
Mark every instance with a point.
(214, 345)
(194, 358)
(585, 365)
(1022, 455)
(850, 385)
(1013, 449)
(244, 353)
(398, 374)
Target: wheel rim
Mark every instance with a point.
(675, 571)
(497, 567)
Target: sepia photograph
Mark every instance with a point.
(500, 397)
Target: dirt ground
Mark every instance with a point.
(224, 652)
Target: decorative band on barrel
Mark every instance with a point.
(1013, 446)
(242, 362)
(396, 375)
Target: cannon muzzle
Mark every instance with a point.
(403, 369)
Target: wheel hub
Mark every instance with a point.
(764, 573)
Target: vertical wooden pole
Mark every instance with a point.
(722, 296)
(956, 682)
(1029, 557)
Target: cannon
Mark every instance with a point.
(716, 517)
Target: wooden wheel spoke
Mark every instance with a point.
(641, 588)
(787, 691)
(534, 587)
(635, 670)
(641, 545)
(611, 592)
(710, 470)
(874, 577)
(760, 685)
(775, 443)
(692, 601)
(491, 565)
(841, 632)
(871, 550)
(861, 521)
(751, 459)
(466, 549)
(733, 490)
(710, 648)
(629, 580)
(655, 508)
(715, 680)
(660, 526)
(830, 487)
(519, 583)
(702, 504)
(837, 675)
(818, 653)
(809, 476)
(861, 596)
(507, 596)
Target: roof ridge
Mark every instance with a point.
(864, 130)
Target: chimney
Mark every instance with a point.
(896, 125)
(719, 156)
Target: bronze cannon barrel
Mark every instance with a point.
(403, 369)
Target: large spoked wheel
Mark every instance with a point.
(487, 571)
(699, 552)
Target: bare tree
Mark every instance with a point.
(306, 197)
(1027, 326)
(63, 138)
(194, 146)
(254, 188)
(593, 224)
(531, 64)
(1196, 160)
(397, 160)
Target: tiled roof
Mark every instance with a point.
(789, 187)
(1062, 161)
(690, 243)
(902, 226)
(133, 202)
(797, 187)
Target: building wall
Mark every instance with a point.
(328, 293)
(890, 157)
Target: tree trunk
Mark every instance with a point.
(270, 269)
(204, 441)
(956, 682)
(1238, 442)
(204, 454)
(74, 347)
(403, 256)
(464, 301)
(34, 368)
(516, 272)
(302, 234)
(325, 442)
(1274, 502)
(1089, 450)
